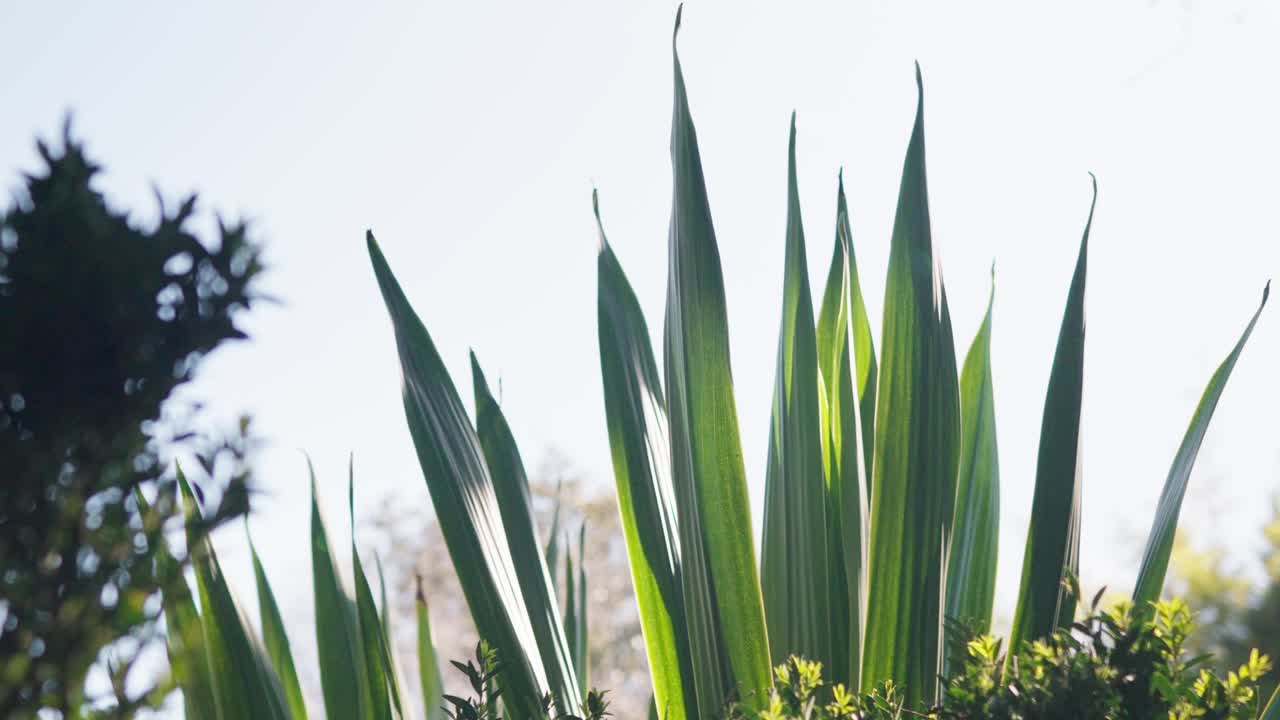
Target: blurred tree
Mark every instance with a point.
(1235, 611)
(100, 322)
(616, 651)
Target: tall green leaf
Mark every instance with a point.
(637, 419)
(971, 573)
(1155, 559)
(571, 607)
(723, 605)
(244, 683)
(1052, 555)
(276, 640)
(465, 501)
(384, 690)
(344, 679)
(916, 449)
(864, 348)
(842, 435)
(511, 485)
(794, 563)
(552, 551)
(184, 635)
(390, 657)
(428, 661)
(582, 642)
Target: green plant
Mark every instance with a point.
(800, 692)
(1116, 664)
(484, 674)
(226, 672)
(1111, 665)
(101, 321)
(881, 484)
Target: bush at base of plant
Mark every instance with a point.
(1113, 665)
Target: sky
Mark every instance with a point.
(468, 137)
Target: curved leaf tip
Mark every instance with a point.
(676, 31)
(602, 241)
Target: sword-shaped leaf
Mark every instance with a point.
(794, 568)
(583, 655)
(843, 437)
(723, 605)
(344, 680)
(384, 686)
(916, 450)
(244, 683)
(637, 419)
(864, 347)
(184, 635)
(1052, 556)
(1155, 559)
(467, 506)
(971, 574)
(428, 661)
(511, 485)
(276, 640)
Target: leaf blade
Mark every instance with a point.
(275, 639)
(723, 605)
(463, 494)
(635, 413)
(1052, 553)
(844, 456)
(1155, 558)
(916, 450)
(511, 486)
(344, 681)
(971, 572)
(794, 568)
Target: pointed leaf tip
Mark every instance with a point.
(676, 31)
(1266, 291)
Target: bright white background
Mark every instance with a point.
(468, 137)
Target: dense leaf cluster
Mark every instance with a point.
(1113, 665)
(100, 321)
(1123, 663)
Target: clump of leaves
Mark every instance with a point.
(484, 674)
(1118, 664)
(800, 693)
(101, 320)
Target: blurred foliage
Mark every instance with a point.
(1237, 609)
(100, 322)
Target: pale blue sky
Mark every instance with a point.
(468, 137)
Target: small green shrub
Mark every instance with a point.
(1113, 665)
(484, 673)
